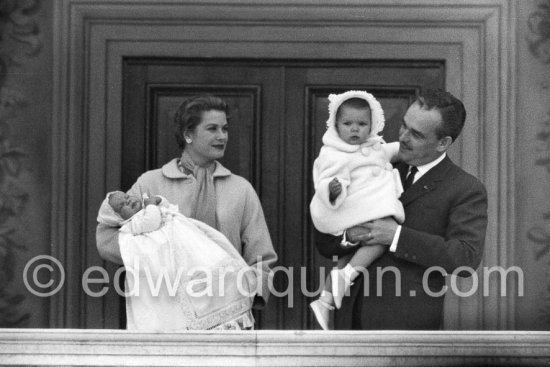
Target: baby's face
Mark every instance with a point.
(353, 124)
(124, 204)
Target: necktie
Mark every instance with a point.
(410, 178)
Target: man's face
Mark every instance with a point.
(418, 142)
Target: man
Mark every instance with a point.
(444, 228)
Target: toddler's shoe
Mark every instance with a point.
(321, 310)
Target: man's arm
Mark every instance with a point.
(329, 245)
(462, 244)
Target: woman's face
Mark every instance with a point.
(209, 138)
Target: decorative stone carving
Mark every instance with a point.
(19, 39)
(539, 25)
(540, 233)
(539, 45)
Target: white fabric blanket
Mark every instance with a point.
(185, 275)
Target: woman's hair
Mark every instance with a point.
(189, 114)
(358, 103)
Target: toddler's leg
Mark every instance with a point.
(322, 307)
(341, 264)
(342, 279)
(365, 255)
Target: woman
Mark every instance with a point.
(205, 190)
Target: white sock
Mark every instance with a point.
(350, 273)
(326, 296)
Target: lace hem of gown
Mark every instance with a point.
(242, 322)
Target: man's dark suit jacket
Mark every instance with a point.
(445, 224)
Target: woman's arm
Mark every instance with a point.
(107, 243)
(257, 249)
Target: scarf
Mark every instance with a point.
(204, 206)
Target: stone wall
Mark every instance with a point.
(25, 159)
(533, 163)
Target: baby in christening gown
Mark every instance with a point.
(181, 273)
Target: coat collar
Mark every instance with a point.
(428, 182)
(171, 170)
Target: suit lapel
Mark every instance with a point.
(427, 182)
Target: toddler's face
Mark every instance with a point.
(353, 124)
(124, 204)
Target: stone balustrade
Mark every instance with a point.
(44, 347)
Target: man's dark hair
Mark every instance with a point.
(453, 113)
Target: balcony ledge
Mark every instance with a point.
(272, 348)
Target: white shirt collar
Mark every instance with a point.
(422, 170)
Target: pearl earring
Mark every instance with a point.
(188, 140)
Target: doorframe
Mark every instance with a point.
(476, 39)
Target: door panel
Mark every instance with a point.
(278, 119)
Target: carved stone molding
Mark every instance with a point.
(19, 40)
(539, 234)
(475, 39)
(539, 26)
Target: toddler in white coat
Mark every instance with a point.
(354, 183)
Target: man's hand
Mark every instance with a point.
(155, 200)
(377, 232)
(335, 189)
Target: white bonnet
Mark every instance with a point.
(107, 214)
(377, 114)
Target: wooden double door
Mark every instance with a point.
(279, 111)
